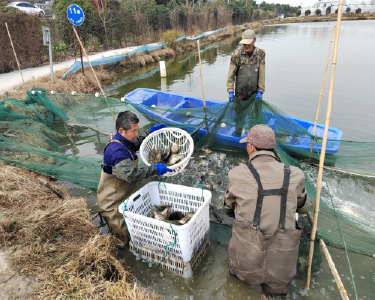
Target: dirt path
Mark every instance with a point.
(13, 79)
(13, 286)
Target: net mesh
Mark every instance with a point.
(32, 132)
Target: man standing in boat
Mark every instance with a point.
(120, 173)
(265, 195)
(246, 77)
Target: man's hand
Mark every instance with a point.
(158, 126)
(231, 96)
(259, 95)
(161, 169)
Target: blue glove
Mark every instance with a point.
(231, 96)
(162, 169)
(157, 127)
(259, 95)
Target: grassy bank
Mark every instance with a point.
(53, 241)
(86, 84)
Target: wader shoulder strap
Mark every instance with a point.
(115, 141)
(283, 192)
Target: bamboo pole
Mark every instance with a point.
(324, 144)
(200, 70)
(331, 264)
(92, 69)
(321, 88)
(15, 55)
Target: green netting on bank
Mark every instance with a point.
(31, 131)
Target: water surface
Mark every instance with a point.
(295, 61)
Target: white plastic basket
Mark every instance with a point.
(149, 237)
(164, 138)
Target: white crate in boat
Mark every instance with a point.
(151, 235)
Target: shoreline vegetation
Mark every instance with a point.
(49, 248)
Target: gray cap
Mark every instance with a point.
(247, 37)
(261, 137)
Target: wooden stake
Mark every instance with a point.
(15, 55)
(321, 88)
(200, 69)
(92, 69)
(331, 264)
(324, 144)
(80, 53)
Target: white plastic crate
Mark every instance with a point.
(150, 236)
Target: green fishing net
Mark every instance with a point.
(32, 132)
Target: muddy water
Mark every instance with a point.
(295, 60)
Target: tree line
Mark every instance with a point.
(124, 22)
(127, 22)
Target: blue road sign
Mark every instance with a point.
(75, 15)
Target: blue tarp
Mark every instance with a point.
(112, 59)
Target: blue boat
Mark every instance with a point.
(295, 133)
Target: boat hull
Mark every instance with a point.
(159, 107)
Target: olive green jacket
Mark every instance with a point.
(235, 62)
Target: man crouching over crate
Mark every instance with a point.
(120, 173)
(265, 195)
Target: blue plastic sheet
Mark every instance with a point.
(112, 59)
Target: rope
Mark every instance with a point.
(200, 186)
(171, 246)
(160, 181)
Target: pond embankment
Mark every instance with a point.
(49, 248)
(86, 84)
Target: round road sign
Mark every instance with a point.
(75, 15)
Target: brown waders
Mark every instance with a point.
(246, 85)
(111, 192)
(267, 260)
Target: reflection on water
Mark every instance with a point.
(295, 60)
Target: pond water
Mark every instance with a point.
(295, 61)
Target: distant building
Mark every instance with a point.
(324, 4)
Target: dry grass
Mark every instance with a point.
(55, 241)
(81, 84)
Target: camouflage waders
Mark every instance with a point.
(247, 78)
(246, 87)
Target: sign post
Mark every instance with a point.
(47, 42)
(76, 17)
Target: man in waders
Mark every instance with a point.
(265, 195)
(120, 173)
(247, 75)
